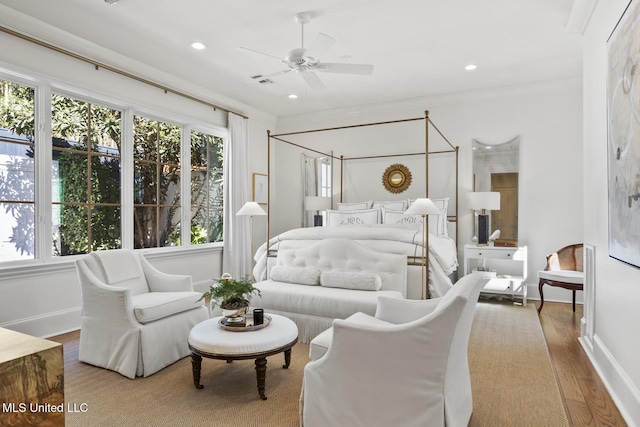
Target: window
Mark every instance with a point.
(206, 188)
(85, 159)
(85, 203)
(156, 152)
(17, 172)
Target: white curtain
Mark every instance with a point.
(236, 258)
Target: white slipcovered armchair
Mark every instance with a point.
(135, 319)
(406, 366)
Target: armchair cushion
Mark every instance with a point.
(120, 268)
(157, 305)
(566, 276)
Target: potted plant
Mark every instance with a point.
(233, 296)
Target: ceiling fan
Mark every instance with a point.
(306, 61)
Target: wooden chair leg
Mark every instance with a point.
(540, 283)
(574, 300)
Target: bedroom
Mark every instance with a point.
(561, 122)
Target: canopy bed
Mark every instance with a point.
(382, 225)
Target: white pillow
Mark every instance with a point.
(355, 205)
(300, 275)
(437, 223)
(351, 280)
(397, 205)
(399, 217)
(355, 217)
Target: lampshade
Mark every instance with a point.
(480, 200)
(251, 208)
(423, 206)
(317, 203)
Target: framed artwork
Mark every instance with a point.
(623, 134)
(260, 188)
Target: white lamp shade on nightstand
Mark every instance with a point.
(317, 203)
(484, 200)
(251, 209)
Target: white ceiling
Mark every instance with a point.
(418, 47)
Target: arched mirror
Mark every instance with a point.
(496, 168)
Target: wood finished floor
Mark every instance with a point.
(586, 399)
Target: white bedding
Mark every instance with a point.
(398, 239)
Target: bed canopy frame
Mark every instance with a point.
(343, 160)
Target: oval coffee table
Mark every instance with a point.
(208, 339)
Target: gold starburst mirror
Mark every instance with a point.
(396, 178)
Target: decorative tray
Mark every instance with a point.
(245, 326)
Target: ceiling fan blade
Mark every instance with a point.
(247, 50)
(279, 73)
(313, 81)
(362, 69)
(318, 47)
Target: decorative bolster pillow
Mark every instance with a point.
(351, 280)
(300, 275)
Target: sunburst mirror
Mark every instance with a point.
(396, 178)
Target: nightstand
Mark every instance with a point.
(497, 282)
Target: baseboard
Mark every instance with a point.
(622, 390)
(47, 325)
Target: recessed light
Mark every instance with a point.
(198, 45)
(111, 1)
(470, 67)
(293, 96)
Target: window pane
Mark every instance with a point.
(169, 226)
(145, 188)
(72, 176)
(145, 139)
(170, 185)
(145, 227)
(17, 231)
(69, 120)
(105, 228)
(17, 172)
(105, 180)
(72, 234)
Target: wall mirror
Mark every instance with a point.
(396, 178)
(317, 180)
(496, 168)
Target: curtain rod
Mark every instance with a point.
(99, 65)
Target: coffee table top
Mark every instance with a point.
(210, 338)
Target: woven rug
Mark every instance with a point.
(513, 384)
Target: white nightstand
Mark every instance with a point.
(504, 284)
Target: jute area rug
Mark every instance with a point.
(512, 380)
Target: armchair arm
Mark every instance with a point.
(395, 310)
(163, 282)
(369, 367)
(110, 304)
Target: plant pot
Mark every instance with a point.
(235, 315)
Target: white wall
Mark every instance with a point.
(614, 345)
(547, 117)
(43, 298)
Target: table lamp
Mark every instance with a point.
(317, 203)
(484, 201)
(250, 209)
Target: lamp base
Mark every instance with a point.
(483, 230)
(317, 220)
